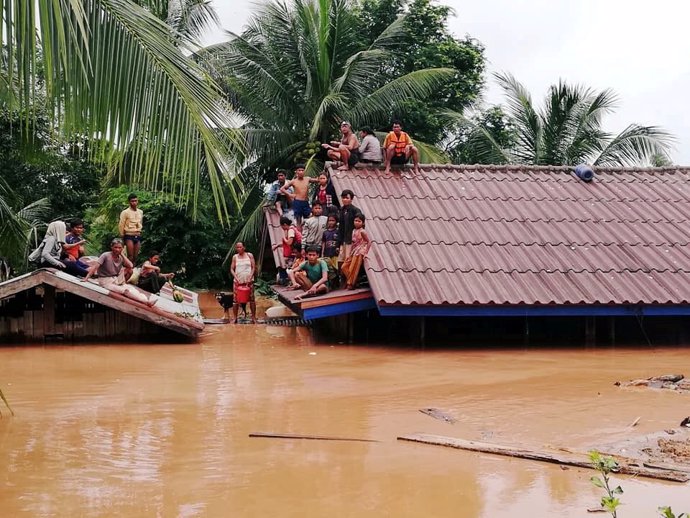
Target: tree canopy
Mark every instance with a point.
(566, 130)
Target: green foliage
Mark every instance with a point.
(667, 512)
(36, 165)
(111, 70)
(567, 130)
(606, 466)
(193, 248)
(493, 124)
(426, 43)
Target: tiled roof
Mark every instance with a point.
(455, 235)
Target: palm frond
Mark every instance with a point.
(526, 119)
(635, 144)
(114, 74)
(379, 104)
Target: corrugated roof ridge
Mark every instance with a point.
(528, 270)
(532, 220)
(679, 244)
(527, 167)
(522, 198)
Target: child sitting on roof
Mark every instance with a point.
(358, 251)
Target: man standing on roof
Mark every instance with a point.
(345, 151)
(131, 224)
(399, 148)
(300, 198)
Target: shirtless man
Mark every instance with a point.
(345, 151)
(300, 200)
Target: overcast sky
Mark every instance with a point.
(639, 49)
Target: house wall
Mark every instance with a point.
(44, 314)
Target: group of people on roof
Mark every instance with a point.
(398, 148)
(63, 248)
(324, 241)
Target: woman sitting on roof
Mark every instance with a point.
(50, 251)
(110, 268)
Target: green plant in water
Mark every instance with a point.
(606, 466)
(667, 512)
(7, 404)
(610, 501)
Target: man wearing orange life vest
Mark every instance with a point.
(399, 148)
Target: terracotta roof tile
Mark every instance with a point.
(525, 235)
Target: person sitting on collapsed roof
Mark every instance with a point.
(151, 279)
(399, 148)
(280, 201)
(345, 151)
(369, 148)
(311, 275)
(51, 249)
(111, 268)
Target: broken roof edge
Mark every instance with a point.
(96, 293)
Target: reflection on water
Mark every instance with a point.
(147, 430)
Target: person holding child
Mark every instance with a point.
(360, 247)
(291, 244)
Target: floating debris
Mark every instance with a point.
(438, 414)
(675, 382)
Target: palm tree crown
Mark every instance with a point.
(567, 130)
(298, 70)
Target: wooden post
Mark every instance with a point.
(422, 331)
(590, 331)
(612, 330)
(48, 310)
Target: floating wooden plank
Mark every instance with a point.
(308, 437)
(575, 459)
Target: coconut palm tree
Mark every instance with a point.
(567, 130)
(187, 18)
(113, 73)
(298, 70)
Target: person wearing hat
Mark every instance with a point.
(345, 151)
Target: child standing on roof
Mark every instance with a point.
(313, 228)
(358, 251)
(330, 249)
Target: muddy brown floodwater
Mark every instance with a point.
(162, 430)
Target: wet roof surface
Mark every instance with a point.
(525, 235)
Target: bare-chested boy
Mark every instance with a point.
(300, 198)
(347, 150)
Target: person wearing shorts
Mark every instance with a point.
(346, 150)
(130, 227)
(399, 148)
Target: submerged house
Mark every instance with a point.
(457, 248)
(48, 304)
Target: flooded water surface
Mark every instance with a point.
(162, 430)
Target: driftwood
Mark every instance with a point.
(574, 459)
(308, 437)
(438, 414)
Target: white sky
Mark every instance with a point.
(639, 49)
